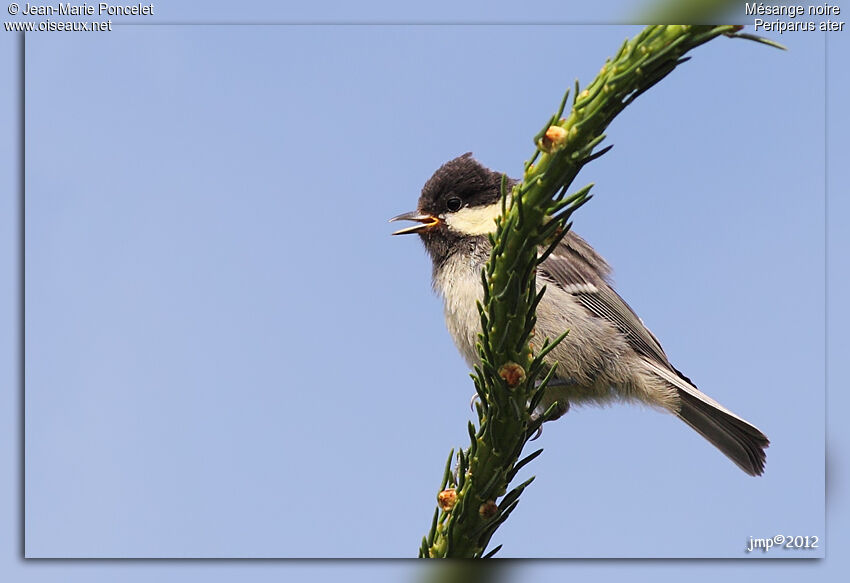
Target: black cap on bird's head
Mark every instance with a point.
(461, 199)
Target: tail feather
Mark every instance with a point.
(738, 440)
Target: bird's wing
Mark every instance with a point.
(577, 269)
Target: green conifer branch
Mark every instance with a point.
(474, 498)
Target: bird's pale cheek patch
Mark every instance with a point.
(474, 220)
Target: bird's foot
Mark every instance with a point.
(556, 410)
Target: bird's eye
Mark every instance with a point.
(454, 204)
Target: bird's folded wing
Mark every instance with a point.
(577, 269)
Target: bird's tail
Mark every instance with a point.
(740, 441)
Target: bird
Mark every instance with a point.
(608, 355)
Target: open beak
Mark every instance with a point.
(428, 222)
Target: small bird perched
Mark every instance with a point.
(608, 354)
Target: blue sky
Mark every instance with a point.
(228, 356)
